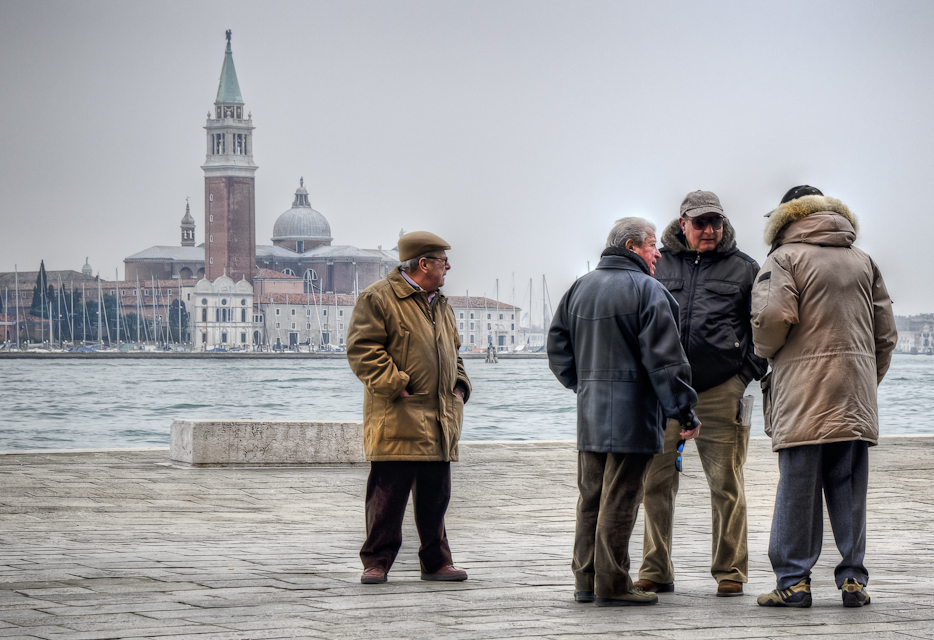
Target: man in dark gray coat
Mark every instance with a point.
(614, 341)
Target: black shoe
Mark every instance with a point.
(854, 594)
(798, 596)
(583, 596)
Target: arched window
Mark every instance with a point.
(288, 272)
(311, 280)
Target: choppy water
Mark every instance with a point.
(76, 404)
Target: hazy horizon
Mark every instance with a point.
(518, 131)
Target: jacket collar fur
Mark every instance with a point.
(777, 228)
(673, 239)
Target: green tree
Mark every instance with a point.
(42, 283)
(173, 320)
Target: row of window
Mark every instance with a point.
(489, 326)
(340, 326)
(502, 340)
(204, 301)
(123, 292)
(223, 315)
(340, 312)
(489, 316)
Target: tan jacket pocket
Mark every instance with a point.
(406, 418)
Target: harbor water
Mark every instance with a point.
(85, 404)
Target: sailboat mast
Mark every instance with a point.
(71, 322)
(41, 307)
(544, 313)
(16, 294)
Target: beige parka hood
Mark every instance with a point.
(822, 316)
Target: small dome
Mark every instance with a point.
(187, 220)
(301, 222)
(86, 269)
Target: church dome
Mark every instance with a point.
(301, 222)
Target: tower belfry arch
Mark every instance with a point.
(229, 192)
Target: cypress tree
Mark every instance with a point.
(42, 281)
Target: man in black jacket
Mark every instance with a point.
(614, 341)
(712, 282)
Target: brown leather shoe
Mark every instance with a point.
(729, 588)
(446, 574)
(653, 587)
(373, 575)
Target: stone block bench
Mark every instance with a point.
(226, 443)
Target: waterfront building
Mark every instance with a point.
(308, 321)
(915, 334)
(482, 322)
(223, 315)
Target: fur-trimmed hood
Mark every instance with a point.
(776, 229)
(674, 239)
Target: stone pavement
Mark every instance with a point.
(122, 544)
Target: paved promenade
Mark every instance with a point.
(122, 544)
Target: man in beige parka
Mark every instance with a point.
(823, 318)
(402, 343)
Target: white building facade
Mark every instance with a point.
(222, 315)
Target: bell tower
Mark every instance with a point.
(188, 227)
(229, 194)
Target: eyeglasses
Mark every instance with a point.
(444, 260)
(678, 459)
(715, 222)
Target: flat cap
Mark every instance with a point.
(418, 243)
(698, 203)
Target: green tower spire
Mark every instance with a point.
(228, 91)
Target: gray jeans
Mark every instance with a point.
(841, 471)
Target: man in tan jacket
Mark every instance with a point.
(402, 343)
(823, 318)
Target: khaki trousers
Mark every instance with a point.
(722, 446)
(610, 492)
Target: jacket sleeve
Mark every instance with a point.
(366, 350)
(885, 334)
(560, 347)
(774, 307)
(662, 354)
(754, 367)
(462, 382)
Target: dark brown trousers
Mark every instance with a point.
(610, 494)
(387, 492)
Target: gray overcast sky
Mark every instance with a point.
(518, 131)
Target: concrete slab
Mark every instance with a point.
(208, 443)
(129, 544)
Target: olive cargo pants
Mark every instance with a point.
(610, 492)
(722, 446)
